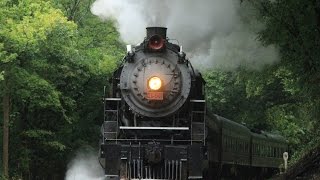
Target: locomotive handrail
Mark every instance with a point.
(160, 140)
(198, 100)
(112, 99)
(154, 128)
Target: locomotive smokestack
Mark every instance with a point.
(161, 31)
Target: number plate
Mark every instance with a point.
(155, 96)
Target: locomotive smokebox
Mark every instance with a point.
(160, 31)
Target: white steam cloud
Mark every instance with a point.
(85, 166)
(215, 33)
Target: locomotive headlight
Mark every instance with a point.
(154, 83)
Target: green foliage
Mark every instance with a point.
(4, 56)
(37, 133)
(283, 98)
(28, 23)
(1, 76)
(55, 58)
(271, 100)
(286, 118)
(56, 145)
(223, 90)
(295, 27)
(38, 92)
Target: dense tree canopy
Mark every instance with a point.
(53, 70)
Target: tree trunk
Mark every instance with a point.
(6, 113)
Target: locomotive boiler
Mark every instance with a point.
(156, 126)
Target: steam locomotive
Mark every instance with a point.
(156, 125)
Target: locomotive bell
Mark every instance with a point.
(156, 37)
(156, 42)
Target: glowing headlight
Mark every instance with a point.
(154, 83)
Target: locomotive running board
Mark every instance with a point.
(154, 128)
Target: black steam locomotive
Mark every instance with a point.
(156, 125)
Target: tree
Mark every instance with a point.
(55, 72)
(284, 97)
(294, 26)
(26, 28)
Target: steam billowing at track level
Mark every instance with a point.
(85, 166)
(156, 125)
(215, 33)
